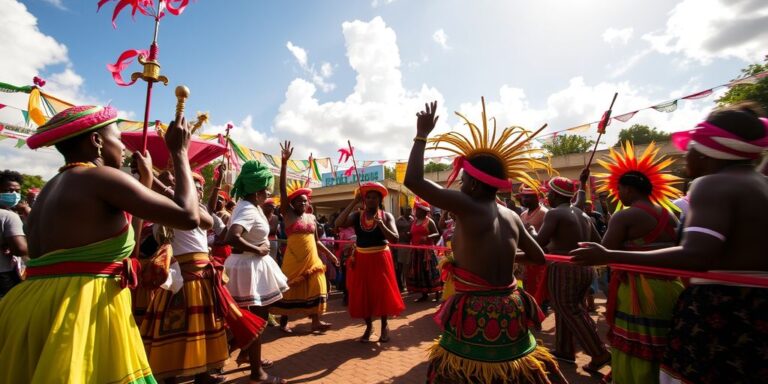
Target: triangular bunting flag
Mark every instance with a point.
(625, 117)
(20, 143)
(666, 107)
(26, 116)
(698, 95)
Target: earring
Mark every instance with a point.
(98, 151)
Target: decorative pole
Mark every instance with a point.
(601, 128)
(354, 163)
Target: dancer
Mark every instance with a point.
(564, 227)
(535, 281)
(486, 336)
(182, 334)
(423, 275)
(716, 331)
(70, 321)
(639, 305)
(255, 279)
(371, 280)
(308, 294)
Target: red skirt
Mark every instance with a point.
(371, 283)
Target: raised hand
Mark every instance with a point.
(177, 136)
(584, 176)
(143, 166)
(286, 150)
(426, 119)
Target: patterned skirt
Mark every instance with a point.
(486, 340)
(719, 335)
(423, 275)
(182, 333)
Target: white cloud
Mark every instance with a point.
(319, 79)
(326, 70)
(621, 67)
(441, 38)
(375, 116)
(615, 35)
(57, 3)
(376, 3)
(580, 103)
(299, 53)
(702, 30)
(27, 52)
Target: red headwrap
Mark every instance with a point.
(563, 186)
(717, 143)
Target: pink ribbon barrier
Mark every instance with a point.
(718, 276)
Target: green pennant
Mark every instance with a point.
(20, 143)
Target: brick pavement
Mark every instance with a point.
(336, 357)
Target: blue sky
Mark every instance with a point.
(319, 72)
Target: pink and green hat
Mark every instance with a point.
(70, 123)
(562, 186)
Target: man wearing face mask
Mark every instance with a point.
(12, 239)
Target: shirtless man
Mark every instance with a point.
(716, 334)
(485, 236)
(564, 227)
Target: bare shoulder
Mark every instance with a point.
(510, 216)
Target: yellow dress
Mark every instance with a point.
(71, 322)
(308, 293)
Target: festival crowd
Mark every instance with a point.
(108, 276)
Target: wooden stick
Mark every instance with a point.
(607, 119)
(354, 164)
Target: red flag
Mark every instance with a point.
(604, 122)
(349, 171)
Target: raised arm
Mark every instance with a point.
(285, 206)
(346, 217)
(216, 188)
(581, 194)
(436, 195)
(120, 190)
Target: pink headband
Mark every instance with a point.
(461, 162)
(717, 143)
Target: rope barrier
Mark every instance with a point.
(717, 276)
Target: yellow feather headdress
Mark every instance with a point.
(296, 188)
(618, 164)
(512, 148)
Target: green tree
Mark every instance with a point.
(640, 134)
(567, 144)
(436, 167)
(31, 181)
(749, 92)
(389, 173)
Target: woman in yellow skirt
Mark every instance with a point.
(305, 270)
(70, 321)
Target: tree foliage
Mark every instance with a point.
(640, 134)
(568, 144)
(436, 167)
(749, 92)
(389, 173)
(31, 181)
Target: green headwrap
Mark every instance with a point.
(254, 177)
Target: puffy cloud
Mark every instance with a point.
(441, 38)
(378, 110)
(702, 30)
(580, 103)
(326, 69)
(614, 35)
(27, 52)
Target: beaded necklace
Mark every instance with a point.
(368, 225)
(69, 166)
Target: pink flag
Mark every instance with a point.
(122, 62)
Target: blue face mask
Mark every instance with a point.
(9, 199)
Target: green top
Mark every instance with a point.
(109, 250)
